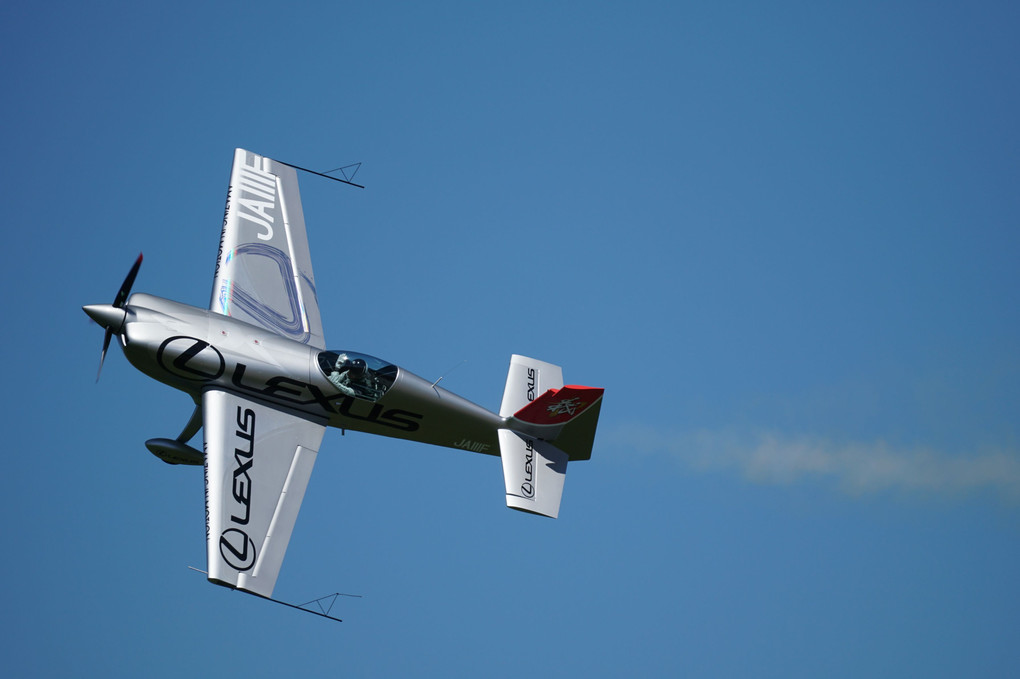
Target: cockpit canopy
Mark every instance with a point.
(358, 375)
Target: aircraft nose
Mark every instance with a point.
(106, 315)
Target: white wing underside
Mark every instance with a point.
(258, 459)
(257, 464)
(264, 267)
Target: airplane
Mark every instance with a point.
(266, 387)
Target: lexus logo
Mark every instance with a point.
(190, 358)
(237, 549)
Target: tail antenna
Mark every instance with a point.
(448, 372)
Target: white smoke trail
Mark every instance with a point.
(857, 468)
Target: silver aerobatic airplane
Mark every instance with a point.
(265, 387)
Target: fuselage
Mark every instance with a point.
(193, 349)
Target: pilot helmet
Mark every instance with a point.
(358, 367)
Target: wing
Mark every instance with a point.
(264, 268)
(257, 464)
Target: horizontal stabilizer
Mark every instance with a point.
(533, 472)
(528, 377)
(547, 424)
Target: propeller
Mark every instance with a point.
(107, 316)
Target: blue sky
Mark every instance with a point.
(783, 238)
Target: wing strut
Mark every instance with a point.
(193, 425)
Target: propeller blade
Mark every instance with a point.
(125, 288)
(102, 357)
(118, 302)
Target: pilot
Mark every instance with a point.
(347, 371)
